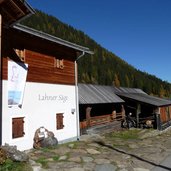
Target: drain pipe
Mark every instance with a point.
(0, 79)
(76, 96)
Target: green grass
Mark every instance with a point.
(74, 143)
(125, 135)
(56, 158)
(49, 149)
(43, 162)
(46, 149)
(9, 165)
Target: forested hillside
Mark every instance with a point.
(103, 67)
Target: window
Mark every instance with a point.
(59, 63)
(17, 127)
(59, 121)
(21, 54)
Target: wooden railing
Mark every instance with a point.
(97, 120)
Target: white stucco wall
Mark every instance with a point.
(38, 111)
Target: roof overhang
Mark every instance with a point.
(146, 99)
(14, 10)
(51, 38)
(138, 95)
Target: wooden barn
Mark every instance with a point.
(39, 80)
(145, 107)
(98, 105)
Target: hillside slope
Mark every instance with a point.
(104, 67)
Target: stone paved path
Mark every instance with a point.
(107, 153)
(165, 165)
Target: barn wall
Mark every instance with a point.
(165, 114)
(42, 69)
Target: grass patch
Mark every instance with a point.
(43, 162)
(56, 158)
(9, 165)
(49, 149)
(128, 134)
(46, 149)
(72, 145)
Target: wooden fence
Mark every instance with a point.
(102, 119)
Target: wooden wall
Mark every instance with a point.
(165, 114)
(42, 68)
(41, 56)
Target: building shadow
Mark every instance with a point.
(132, 155)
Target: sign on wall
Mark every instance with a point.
(17, 73)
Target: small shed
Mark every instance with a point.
(142, 106)
(98, 105)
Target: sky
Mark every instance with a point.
(137, 31)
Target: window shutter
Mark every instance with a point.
(17, 127)
(59, 121)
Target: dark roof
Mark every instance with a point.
(128, 90)
(141, 96)
(14, 10)
(51, 38)
(95, 94)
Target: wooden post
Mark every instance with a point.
(88, 115)
(113, 115)
(123, 111)
(157, 118)
(138, 111)
(158, 121)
